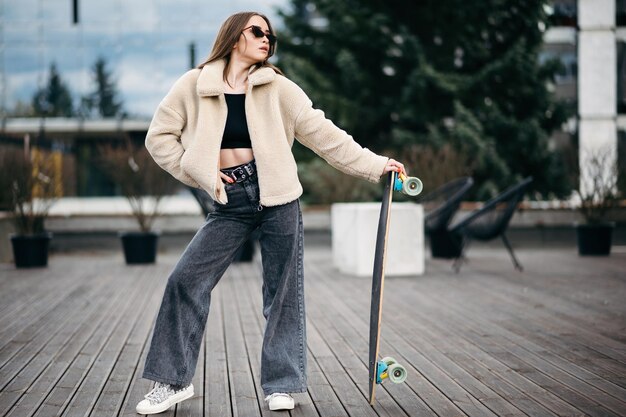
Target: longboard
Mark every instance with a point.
(386, 368)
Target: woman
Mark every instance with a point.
(228, 127)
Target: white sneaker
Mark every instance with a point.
(162, 397)
(280, 401)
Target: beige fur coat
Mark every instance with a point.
(185, 134)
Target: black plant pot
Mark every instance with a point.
(594, 239)
(444, 244)
(31, 251)
(140, 247)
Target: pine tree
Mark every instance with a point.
(103, 101)
(55, 99)
(398, 74)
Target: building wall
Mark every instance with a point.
(597, 86)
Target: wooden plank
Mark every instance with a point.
(24, 343)
(50, 286)
(327, 278)
(111, 400)
(212, 401)
(320, 391)
(16, 284)
(480, 365)
(593, 298)
(139, 386)
(395, 343)
(577, 359)
(248, 278)
(584, 357)
(322, 395)
(527, 396)
(249, 327)
(433, 320)
(45, 353)
(93, 382)
(21, 308)
(574, 369)
(568, 317)
(348, 393)
(548, 314)
(331, 314)
(457, 394)
(242, 389)
(36, 379)
(194, 406)
(87, 357)
(531, 365)
(536, 340)
(484, 328)
(350, 346)
(217, 383)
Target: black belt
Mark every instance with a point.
(242, 172)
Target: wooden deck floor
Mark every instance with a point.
(487, 342)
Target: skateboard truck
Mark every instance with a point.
(411, 186)
(388, 368)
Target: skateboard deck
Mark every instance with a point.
(380, 370)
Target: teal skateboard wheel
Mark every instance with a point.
(412, 186)
(396, 373)
(388, 360)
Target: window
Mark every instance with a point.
(563, 13)
(621, 161)
(620, 12)
(621, 77)
(566, 79)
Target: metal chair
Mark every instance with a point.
(490, 222)
(440, 206)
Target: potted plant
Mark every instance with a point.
(144, 184)
(598, 193)
(28, 190)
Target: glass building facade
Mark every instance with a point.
(145, 43)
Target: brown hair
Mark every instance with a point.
(228, 35)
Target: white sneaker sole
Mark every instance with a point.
(283, 406)
(159, 408)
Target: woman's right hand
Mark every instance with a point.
(393, 165)
(226, 178)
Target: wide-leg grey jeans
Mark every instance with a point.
(184, 309)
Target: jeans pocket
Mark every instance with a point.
(229, 186)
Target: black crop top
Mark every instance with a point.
(236, 133)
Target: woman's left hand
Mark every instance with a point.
(393, 165)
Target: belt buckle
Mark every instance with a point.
(238, 175)
(249, 169)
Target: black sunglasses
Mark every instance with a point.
(258, 33)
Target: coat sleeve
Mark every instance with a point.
(337, 147)
(163, 138)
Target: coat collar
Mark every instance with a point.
(211, 83)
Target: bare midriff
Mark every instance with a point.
(233, 157)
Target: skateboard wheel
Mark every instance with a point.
(396, 373)
(412, 186)
(388, 360)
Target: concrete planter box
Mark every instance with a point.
(353, 230)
